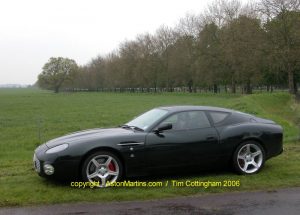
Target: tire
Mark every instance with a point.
(102, 167)
(248, 158)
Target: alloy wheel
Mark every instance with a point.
(102, 169)
(250, 158)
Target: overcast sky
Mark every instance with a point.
(32, 31)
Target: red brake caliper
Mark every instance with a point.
(111, 166)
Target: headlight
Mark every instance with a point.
(57, 148)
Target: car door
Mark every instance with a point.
(190, 142)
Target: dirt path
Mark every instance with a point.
(282, 201)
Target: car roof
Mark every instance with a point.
(192, 107)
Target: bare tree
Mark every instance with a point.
(221, 12)
(190, 25)
(282, 24)
(272, 8)
(164, 38)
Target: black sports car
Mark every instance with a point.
(160, 140)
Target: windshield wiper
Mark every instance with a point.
(132, 127)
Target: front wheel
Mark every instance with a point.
(249, 158)
(102, 168)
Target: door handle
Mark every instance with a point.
(211, 137)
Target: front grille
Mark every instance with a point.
(36, 164)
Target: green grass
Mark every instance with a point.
(29, 117)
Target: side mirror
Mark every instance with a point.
(164, 127)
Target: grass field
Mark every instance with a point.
(29, 117)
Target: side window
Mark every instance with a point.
(172, 119)
(198, 119)
(188, 120)
(218, 116)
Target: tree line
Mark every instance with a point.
(230, 46)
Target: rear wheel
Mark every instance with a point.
(249, 158)
(102, 168)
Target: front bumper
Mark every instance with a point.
(65, 167)
(36, 164)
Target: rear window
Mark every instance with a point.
(217, 116)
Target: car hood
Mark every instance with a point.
(87, 135)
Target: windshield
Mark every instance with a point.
(147, 119)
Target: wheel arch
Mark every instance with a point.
(255, 139)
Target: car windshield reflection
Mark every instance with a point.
(147, 119)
